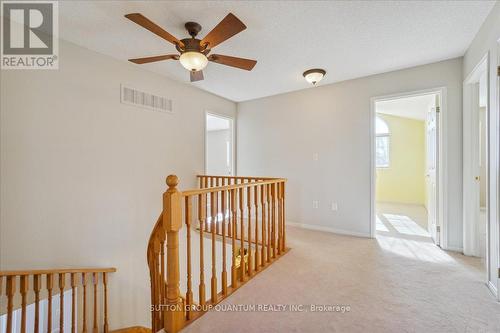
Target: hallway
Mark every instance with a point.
(390, 284)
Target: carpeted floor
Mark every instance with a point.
(391, 284)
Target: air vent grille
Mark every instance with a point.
(146, 100)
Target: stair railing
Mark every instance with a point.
(240, 223)
(54, 283)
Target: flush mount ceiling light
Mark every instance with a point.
(314, 75)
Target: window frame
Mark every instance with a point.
(383, 135)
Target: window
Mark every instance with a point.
(382, 143)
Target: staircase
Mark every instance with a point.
(228, 213)
(221, 234)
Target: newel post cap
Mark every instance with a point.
(172, 181)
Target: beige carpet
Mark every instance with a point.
(391, 285)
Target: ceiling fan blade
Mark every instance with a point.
(227, 28)
(196, 76)
(146, 23)
(246, 64)
(154, 59)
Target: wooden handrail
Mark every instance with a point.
(54, 279)
(57, 271)
(231, 187)
(249, 215)
(236, 177)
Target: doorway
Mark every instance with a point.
(219, 145)
(407, 194)
(476, 163)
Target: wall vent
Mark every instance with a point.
(145, 100)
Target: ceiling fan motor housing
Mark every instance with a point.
(191, 45)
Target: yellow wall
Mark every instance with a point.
(404, 180)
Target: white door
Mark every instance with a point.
(219, 157)
(431, 172)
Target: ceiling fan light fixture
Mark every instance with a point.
(193, 61)
(314, 75)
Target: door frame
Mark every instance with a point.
(469, 111)
(442, 195)
(497, 125)
(232, 122)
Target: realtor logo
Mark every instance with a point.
(29, 35)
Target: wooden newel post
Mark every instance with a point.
(173, 313)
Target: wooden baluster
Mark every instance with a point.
(280, 218)
(84, 284)
(242, 236)
(201, 216)
(213, 210)
(37, 286)
(256, 212)
(217, 225)
(249, 217)
(229, 211)
(10, 290)
(157, 297)
(49, 284)
(232, 220)
(283, 216)
(62, 280)
(235, 230)
(161, 281)
(264, 234)
(222, 183)
(95, 281)
(23, 289)
(189, 292)
(273, 192)
(172, 223)
(268, 222)
(224, 272)
(278, 196)
(73, 303)
(105, 284)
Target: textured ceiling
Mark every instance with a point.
(348, 39)
(414, 107)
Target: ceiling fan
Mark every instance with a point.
(193, 51)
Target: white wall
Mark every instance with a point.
(486, 41)
(82, 175)
(277, 136)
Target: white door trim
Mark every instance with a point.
(233, 139)
(442, 197)
(469, 113)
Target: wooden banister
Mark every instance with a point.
(244, 215)
(172, 223)
(54, 279)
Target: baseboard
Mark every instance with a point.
(328, 229)
(401, 203)
(454, 249)
(493, 289)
